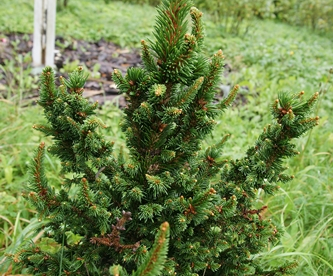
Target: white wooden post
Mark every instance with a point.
(44, 33)
(37, 49)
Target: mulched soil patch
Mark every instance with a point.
(107, 55)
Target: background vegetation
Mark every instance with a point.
(272, 47)
(316, 14)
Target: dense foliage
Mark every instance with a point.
(314, 14)
(208, 201)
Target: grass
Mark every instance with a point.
(125, 24)
(271, 57)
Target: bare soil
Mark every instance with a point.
(100, 57)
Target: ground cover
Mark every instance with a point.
(271, 57)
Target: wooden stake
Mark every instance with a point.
(44, 33)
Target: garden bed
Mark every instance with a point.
(99, 58)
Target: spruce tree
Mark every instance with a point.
(169, 207)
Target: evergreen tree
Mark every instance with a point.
(119, 208)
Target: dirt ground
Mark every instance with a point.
(100, 58)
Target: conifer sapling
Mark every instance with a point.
(169, 207)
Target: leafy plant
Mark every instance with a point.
(316, 14)
(217, 226)
(18, 78)
(233, 16)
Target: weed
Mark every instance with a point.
(18, 78)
